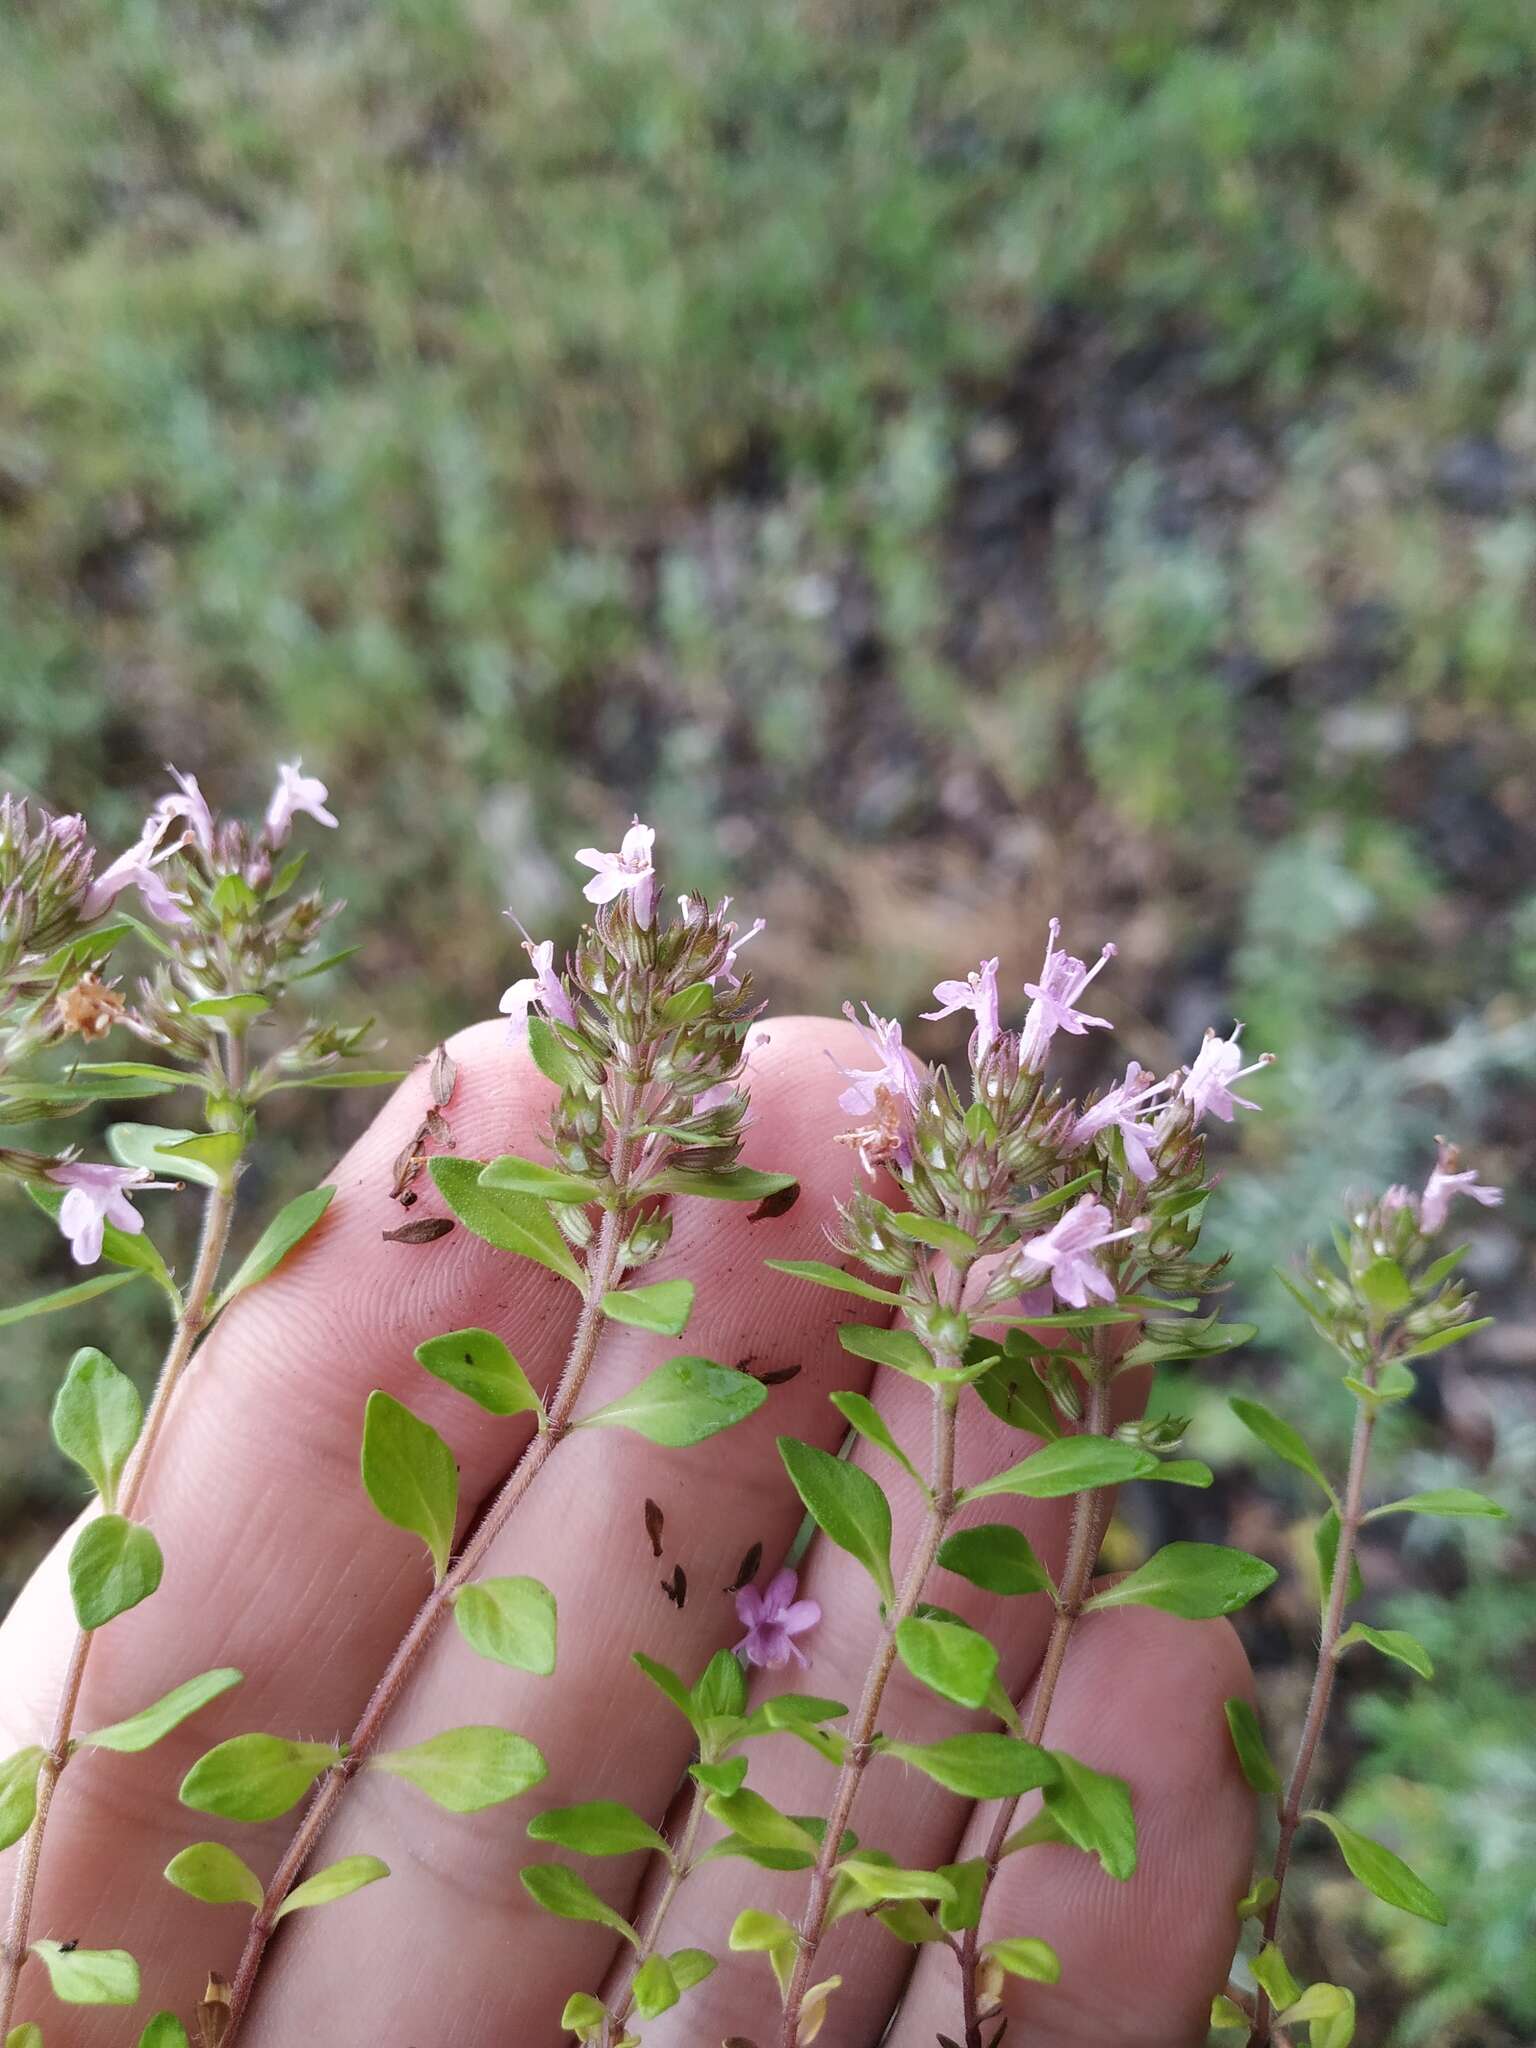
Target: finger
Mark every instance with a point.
(898, 1810)
(1141, 1696)
(454, 1905)
(272, 1558)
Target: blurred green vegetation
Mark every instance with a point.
(944, 466)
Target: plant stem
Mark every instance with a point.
(434, 1609)
(1322, 1683)
(1076, 1576)
(941, 1510)
(677, 1875)
(218, 1210)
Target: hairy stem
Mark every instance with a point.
(1082, 1554)
(601, 1272)
(677, 1875)
(941, 1510)
(1350, 1515)
(218, 1210)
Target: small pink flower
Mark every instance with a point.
(726, 971)
(772, 1619)
(1065, 1252)
(543, 987)
(136, 869)
(631, 868)
(1120, 1107)
(1445, 1183)
(889, 1093)
(295, 792)
(96, 1196)
(977, 992)
(190, 805)
(1208, 1084)
(1054, 1008)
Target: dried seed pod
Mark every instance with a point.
(425, 1230)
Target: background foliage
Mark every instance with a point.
(944, 464)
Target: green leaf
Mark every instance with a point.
(952, 1660)
(247, 1004)
(898, 1349)
(601, 1827)
(582, 2012)
(865, 1417)
(1329, 2011)
(289, 1227)
(1075, 1464)
(1093, 1810)
(511, 1621)
(969, 1883)
(18, 1793)
(568, 1895)
(833, 1276)
(255, 1777)
(476, 1363)
(1441, 1500)
(664, 1306)
(114, 1565)
(1273, 1976)
(28, 2035)
(89, 1976)
(1255, 1903)
(1392, 1642)
(846, 1504)
(1441, 1338)
(163, 2031)
(996, 1557)
(655, 1989)
(214, 1874)
(1380, 1871)
(513, 1223)
(1278, 1436)
(552, 1056)
(1181, 1472)
(65, 1297)
(666, 1682)
(978, 1766)
(1024, 1957)
(1194, 1580)
(175, 1154)
(691, 1966)
(877, 1881)
(336, 1881)
(760, 1824)
(1252, 1751)
(150, 1724)
(341, 1077)
(1383, 1287)
(731, 1184)
(512, 1175)
(97, 1416)
(683, 1402)
(721, 1691)
(944, 1237)
(1016, 1394)
(725, 1777)
(410, 1475)
(467, 1769)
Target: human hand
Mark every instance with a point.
(277, 1564)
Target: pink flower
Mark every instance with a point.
(772, 1619)
(889, 1093)
(1054, 1008)
(1065, 1251)
(1208, 1084)
(295, 792)
(977, 992)
(135, 869)
(1445, 1183)
(191, 805)
(96, 1196)
(543, 987)
(727, 969)
(631, 868)
(1119, 1107)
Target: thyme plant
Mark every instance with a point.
(646, 1830)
